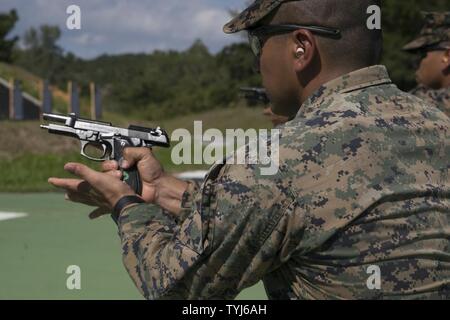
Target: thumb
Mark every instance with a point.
(132, 156)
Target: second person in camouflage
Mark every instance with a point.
(433, 74)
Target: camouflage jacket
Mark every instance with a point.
(440, 98)
(363, 185)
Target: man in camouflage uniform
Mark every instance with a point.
(363, 184)
(433, 74)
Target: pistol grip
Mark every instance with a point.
(133, 179)
(130, 176)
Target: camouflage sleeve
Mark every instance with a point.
(230, 236)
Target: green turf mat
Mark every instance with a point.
(36, 250)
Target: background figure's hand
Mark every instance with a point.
(150, 170)
(274, 118)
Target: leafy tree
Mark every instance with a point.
(41, 53)
(7, 23)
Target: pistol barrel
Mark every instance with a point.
(55, 117)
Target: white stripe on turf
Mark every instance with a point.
(11, 215)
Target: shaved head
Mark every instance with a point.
(358, 46)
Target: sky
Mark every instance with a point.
(130, 26)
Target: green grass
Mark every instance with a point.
(30, 172)
(35, 252)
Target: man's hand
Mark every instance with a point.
(157, 186)
(150, 170)
(103, 190)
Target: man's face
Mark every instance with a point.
(278, 75)
(430, 72)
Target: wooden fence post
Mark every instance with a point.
(46, 98)
(11, 99)
(16, 111)
(74, 99)
(96, 106)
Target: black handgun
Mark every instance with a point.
(255, 95)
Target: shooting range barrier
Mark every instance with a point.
(18, 105)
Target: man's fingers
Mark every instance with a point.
(68, 184)
(109, 165)
(114, 173)
(82, 171)
(132, 156)
(79, 198)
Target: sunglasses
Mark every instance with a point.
(423, 52)
(258, 36)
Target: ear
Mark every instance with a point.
(304, 49)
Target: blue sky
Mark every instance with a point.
(119, 26)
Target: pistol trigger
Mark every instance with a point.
(84, 144)
(105, 151)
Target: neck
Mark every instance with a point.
(446, 82)
(321, 79)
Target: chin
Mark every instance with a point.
(419, 80)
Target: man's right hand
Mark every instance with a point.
(157, 186)
(148, 166)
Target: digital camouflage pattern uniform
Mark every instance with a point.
(363, 181)
(439, 97)
(436, 31)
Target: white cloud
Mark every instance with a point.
(87, 39)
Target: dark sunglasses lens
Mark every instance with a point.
(423, 54)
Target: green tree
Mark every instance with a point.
(7, 23)
(41, 53)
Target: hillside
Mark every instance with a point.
(32, 85)
(30, 82)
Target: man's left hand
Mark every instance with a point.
(102, 190)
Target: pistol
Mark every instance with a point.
(110, 140)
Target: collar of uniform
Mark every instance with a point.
(356, 80)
